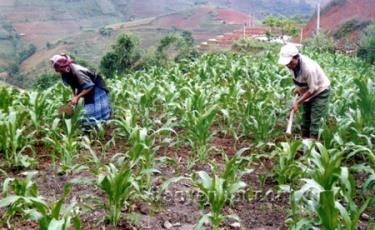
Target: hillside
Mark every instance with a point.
(204, 22)
(344, 19)
(74, 26)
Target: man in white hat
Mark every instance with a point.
(312, 86)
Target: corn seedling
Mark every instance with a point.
(118, 185)
(287, 168)
(216, 192)
(13, 142)
(50, 216)
(66, 145)
(350, 213)
(197, 125)
(39, 109)
(14, 187)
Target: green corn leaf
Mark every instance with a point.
(8, 201)
(207, 181)
(327, 211)
(200, 223)
(56, 225)
(76, 223)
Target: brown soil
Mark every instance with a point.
(180, 209)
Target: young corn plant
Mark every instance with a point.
(65, 144)
(287, 169)
(22, 197)
(256, 118)
(197, 125)
(13, 141)
(39, 109)
(366, 100)
(321, 191)
(216, 192)
(14, 187)
(118, 185)
(125, 122)
(8, 96)
(350, 212)
(141, 157)
(54, 216)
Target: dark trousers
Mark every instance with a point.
(313, 111)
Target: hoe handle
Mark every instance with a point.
(290, 122)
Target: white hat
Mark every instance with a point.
(287, 52)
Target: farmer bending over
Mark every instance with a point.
(312, 87)
(86, 84)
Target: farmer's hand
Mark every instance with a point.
(74, 100)
(295, 106)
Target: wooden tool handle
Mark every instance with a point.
(290, 122)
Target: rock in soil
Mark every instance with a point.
(144, 209)
(235, 225)
(364, 216)
(167, 225)
(177, 225)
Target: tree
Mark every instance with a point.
(286, 26)
(108, 64)
(174, 47)
(188, 37)
(366, 48)
(124, 55)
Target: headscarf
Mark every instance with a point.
(59, 61)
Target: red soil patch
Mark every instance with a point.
(331, 19)
(232, 16)
(194, 18)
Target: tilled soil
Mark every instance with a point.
(179, 205)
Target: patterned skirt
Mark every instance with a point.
(97, 111)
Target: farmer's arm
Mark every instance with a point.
(304, 97)
(86, 83)
(312, 88)
(75, 99)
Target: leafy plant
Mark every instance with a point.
(27, 202)
(12, 142)
(216, 192)
(24, 187)
(287, 170)
(118, 185)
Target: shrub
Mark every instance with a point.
(321, 42)
(248, 44)
(125, 53)
(366, 48)
(174, 47)
(349, 27)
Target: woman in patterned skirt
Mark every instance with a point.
(85, 84)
